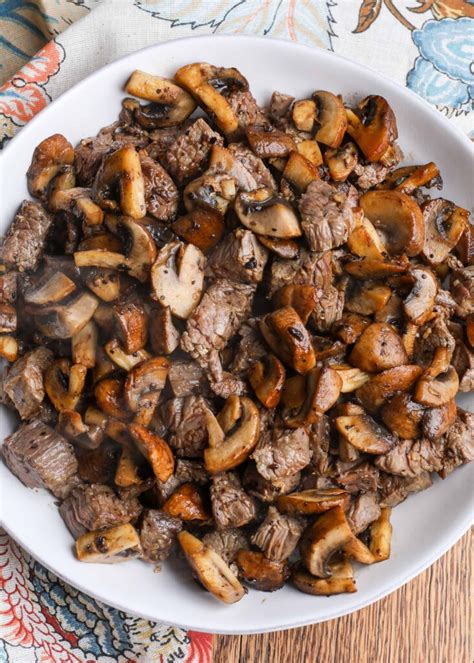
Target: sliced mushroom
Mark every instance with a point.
(102, 240)
(365, 434)
(352, 378)
(143, 387)
(186, 503)
(365, 298)
(465, 246)
(131, 325)
(381, 536)
(155, 450)
(365, 242)
(350, 327)
(267, 378)
(211, 569)
(378, 347)
(121, 170)
(64, 383)
(54, 288)
(303, 298)
(109, 397)
(341, 161)
(84, 345)
(262, 573)
(288, 338)
(284, 248)
(300, 171)
(373, 128)
(366, 268)
(202, 227)
(444, 224)
(66, 320)
(270, 144)
(226, 451)
(322, 539)
(303, 114)
(266, 214)
(127, 472)
(331, 118)
(403, 416)
(170, 105)
(64, 180)
(310, 150)
(104, 283)
(84, 435)
(341, 580)
(109, 546)
(8, 347)
(202, 79)
(437, 391)
(313, 501)
(103, 366)
(326, 348)
(126, 361)
(294, 392)
(410, 178)
(322, 389)
(177, 278)
(164, 336)
(437, 421)
(49, 157)
(78, 201)
(213, 191)
(418, 306)
(374, 393)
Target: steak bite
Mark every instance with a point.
(231, 506)
(278, 534)
(253, 164)
(24, 382)
(96, 506)
(227, 543)
(158, 533)
(24, 242)
(282, 453)
(308, 269)
(185, 419)
(161, 194)
(187, 378)
(393, 489)
(239, 257)
(41, 458)
(363, 511)
(186, 157)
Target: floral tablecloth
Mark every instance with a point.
(427, 45)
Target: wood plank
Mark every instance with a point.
(430, 620)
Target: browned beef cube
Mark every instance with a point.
(231, 506)
(187, 156)
(239, 257)
(24, 381)
(185, 418)
(161, 194)
(158, 533)
(278, 534)
(24, 242)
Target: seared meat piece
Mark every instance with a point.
(360, 478)
(223, 383)
(227, 543)
(282, 452)
(24, 242)
(461, 285)
(363, 511)
(434, 334)
(231, 506)
(369, 175)
(8, 287)
(278, 535)
(411, 458)
(394, 489)
(279, 108)
(161, 141)
(185, 418)
(187, 378)
(161, 194)
(96, 506)
(185, 471)
(41, 458)
(239, 257)
(186, 157)
(253, 164)
(319, 439)
(308, 269)
(268, 490)
(24, 381)
(329, 307)
(458, 443)
(249, 349)
(326, 213)
(223, 308)
(158, 533)
(247, 111)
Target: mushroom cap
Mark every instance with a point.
(444, 224)
(266, 214)
(48, 158)
(170, 105)
(62, 321)
(330, 117)
(378, 347)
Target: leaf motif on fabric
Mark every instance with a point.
(368, 12)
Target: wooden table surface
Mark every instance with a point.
(429, 620)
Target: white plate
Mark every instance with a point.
(425, 526)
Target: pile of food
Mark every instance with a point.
(243, 332)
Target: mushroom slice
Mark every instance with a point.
(465, 246)
(294, 392)
(143, 387)
(104, 283)
(378, 347)
(109, 546)
(186, 503)
(403, 416)
(103, 366)
(84, 345)
(66, 320)
(341, 580)
(381, 535)
(164, 336)
(366, 299)
(366, 268)
(322, 539)
(300, 171)
(78, 201)
(123, 360)
(226, 451)
(350, 327)
(155, 450)
(177, 278)
(214, 191)
(330, 117)
(49, 157)
(437, 391)
(374, 128)
(303, 114)
(313, 501)
(436, 421)
(203, 81)
(210, 569)
(102, 240)
(64, 180)
(379, 388)
(311, 151)
(323, 387)
(418, 306)
(352, 378)
(170, 105)
(142, 253)
(64, 383)
(287, 336)
(101, 258)
(365, 434)
(121, 169)
(283, 248)
(130, 321)
(410, 178)
(303, 298)
(267, 378)
(202, 227)
(341, 161)
(228, 416)
(365, 242)
(444, 224)
(109, 397)
(398, 218)
(127, 471)
(8, 348)
(270, 144)
(264, 574)
(53, 289)
(266, 214)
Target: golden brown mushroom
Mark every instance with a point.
(286, 335)
(202, 227)
(121, 170)
(341, 580)
(437, 391)
(267, 378)
(366, 268)
(365, 242)
(322, 389)
(284, 248)
(123, 360)
(381, 536)
(409, 178)
(264, 574)
(300, 171)
(170, 104)
(270, 144)
(379, 388)
(365, 434)
(266, 214)
(313, 501)
(108, 393)
(444, 224)
(84, 345)
(8, 347)
(436, 421)
(109, 546)
(418, 305)
(330, 117)
(49, 157)
(303, 298)
(341, 161)
(62, 321)
(322, 539)
(372, 126)
(303, 114)
(186, 503)
(53, 288)
(352, 378)
(155, 450)
(403, 416)
(143, 387)
(64, 383)
(131, 325)
(164, 336)
(378, 348)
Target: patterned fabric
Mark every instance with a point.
(41, 618)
